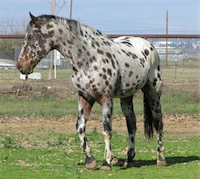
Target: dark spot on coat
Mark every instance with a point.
(78, 85)
(70, 53)
(130, 74)
(127, 65)
(104, 77)
(93, 44)
(113, 63)
(94, 58)
(127, 84)
(79, 64)
(64, 43)
(108, 55)
(100, 51)
(41, 52)
(134, 56)
(144, 55)
(104, 61)
(70, 42)
(127, 43)
(109, 71)
(106, 83)
(60, 31)
(104, 70)
(159, 77)
(84, 48)
(146, 52)
(95, 67)
(49, 26)
(49, 34)
(154, 81)
(88, 53)
(97, 43)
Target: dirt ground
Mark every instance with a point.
(178, 125)
(181, 124)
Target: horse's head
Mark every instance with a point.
(37, 43)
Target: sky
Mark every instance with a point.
(111, 16)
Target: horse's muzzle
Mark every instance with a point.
(24, 69)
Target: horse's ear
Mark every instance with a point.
(74, 26)
(35, 20)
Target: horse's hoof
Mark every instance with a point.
(121, 162)
(115, 161)
(90, 163)
(161, 163)
(105, 168)
(127, 164)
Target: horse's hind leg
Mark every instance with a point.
(84, 109)
(128, 111)
(153, 116)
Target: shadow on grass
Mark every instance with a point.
(176, 160)
(170, 161)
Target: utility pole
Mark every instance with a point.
(51, 53)
(167, 31)
(71, 9)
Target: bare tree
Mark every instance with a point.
(57, 6)
(10, 26)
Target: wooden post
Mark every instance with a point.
(71, 9)
(51, 53)
(167, 31)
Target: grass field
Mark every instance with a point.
(30, 149)
(46, 154)
(173, 102)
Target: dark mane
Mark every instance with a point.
(51, 17)
(48, 17)
(74, 25)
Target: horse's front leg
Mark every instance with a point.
(84, 109)
(107, 109)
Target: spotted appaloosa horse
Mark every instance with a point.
(102, 69)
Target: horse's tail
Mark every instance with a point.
(148, 119)
(152, 91)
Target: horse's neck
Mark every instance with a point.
(78, 49)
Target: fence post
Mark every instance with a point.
(167, 25)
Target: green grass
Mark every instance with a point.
(172, 102)
(37, 106)
(58, 155)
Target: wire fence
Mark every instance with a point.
(180, 61)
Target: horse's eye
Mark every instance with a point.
(36, 44)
